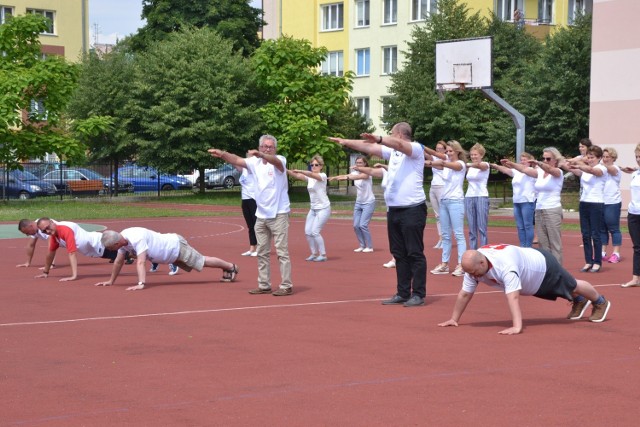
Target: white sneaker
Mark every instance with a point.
(458, 271)
(254, 253)
(442, 268)
(360, 249)
(368, 250)
(390, 264)
(248, 253)
(173, 270)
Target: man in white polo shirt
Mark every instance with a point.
(162, 248)
(525, 271)
(272, 214)
(406, 208)
(30, 228)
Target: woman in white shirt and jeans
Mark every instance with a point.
(476, 200)
(320, 206)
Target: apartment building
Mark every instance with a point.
(68, 32)
(369, 37)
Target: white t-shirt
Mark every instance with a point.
(272, 187)
(318, 192)
(160, 248)
(523, 187)
(453, 181)
(612, 194)
(438, 179)
(634, 186)
(592, 186)
(477, 179)
(364, 189)
(511, 269)
(248, 185)
(549, 189)
(87, 242)
(405, 177)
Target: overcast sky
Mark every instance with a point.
(116, 19)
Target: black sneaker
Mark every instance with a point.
(414, 301)
(394, 300)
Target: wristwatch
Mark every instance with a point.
(140, 283)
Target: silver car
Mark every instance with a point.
(225, 176)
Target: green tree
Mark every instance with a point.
(557, 93)
(193, 91)
(100, 106)
(301, 101)
(236, 20)
(27, 80)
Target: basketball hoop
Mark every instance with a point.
(441, 88)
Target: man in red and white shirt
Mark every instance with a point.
(73, 237)
(524, 271)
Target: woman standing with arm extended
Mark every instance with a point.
(548, 215)
(612, 207)
(452, 205)
(592, 178)
(476, 201)
(437, 184)
(524, 194)
(320, 206)
(365, 204)
(633, 219)
(249, 208)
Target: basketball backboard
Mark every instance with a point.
(464, 64)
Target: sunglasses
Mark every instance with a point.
(315, 164)
(548, 159)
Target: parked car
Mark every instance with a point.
(226, 176)
(81, 180)
(147, 179)
(24, 185)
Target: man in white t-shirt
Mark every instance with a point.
(524, 271)
(272, 214)
(158, 248)
(406, 208)
(30, 228)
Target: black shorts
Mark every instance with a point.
(557, 281)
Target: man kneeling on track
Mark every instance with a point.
(525, 271)
(160, 248)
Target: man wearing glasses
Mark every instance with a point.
(272, 213)
(73, 237)
(406, 208)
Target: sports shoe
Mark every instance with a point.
(390, 264)
(173, 269)
(254, 253)
(282, 292)
(154, 268)
(578, 308)
(458, 271)
(258, 291)
(414, 301)
(360, 249)
(395, 300)
(367, 250)
(614, 259)
(600, 311)
(605, 257)
(321, 258)
(442, 268)
(248, 253)
(311, 258)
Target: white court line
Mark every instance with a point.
(220, 310)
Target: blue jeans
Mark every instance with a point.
(362, 213)
(591, 225)
(452, 221)
(477, 210)
(524, 213)
(611, 225)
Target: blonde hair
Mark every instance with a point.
(612, 152)
(455, 145)
(318, 158)
(554, 151)
(479, 148)
(526, 155)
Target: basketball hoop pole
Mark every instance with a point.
(518, 119)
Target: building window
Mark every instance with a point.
(332, 17)
(505, 9)
(37, 112)
(390, 8)
(363, 62)
(389, 59)
(47, 14)
(383, 102)
(420, 9)
(333, 65)
(545, 11)
(363, 106)
(579, 8)
(362, 13)
(5, 12)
